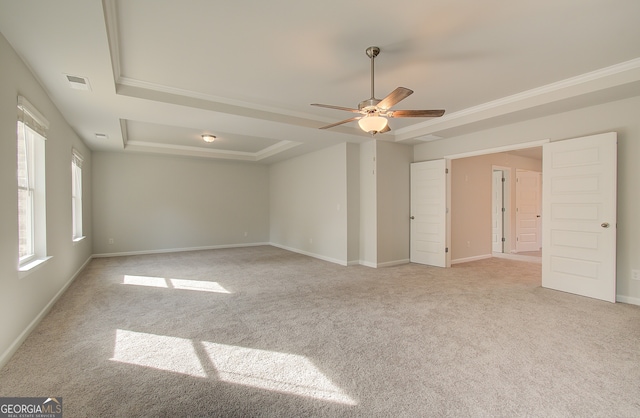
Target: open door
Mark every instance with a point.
(579, 216)
(429, 213)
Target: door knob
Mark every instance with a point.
(605, 224)
(412, 217)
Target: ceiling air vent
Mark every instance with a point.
(78, 82)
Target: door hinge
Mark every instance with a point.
(503, 239)
(503, 179)
(504, 210)
(446, 250)
(446, 171)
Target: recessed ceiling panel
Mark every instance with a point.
(190, 137)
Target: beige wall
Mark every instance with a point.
(393, 202)
(308, 204)
(471, 191)
(23, 301)
(157, 203)
(619, 116)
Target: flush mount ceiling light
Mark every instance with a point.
(208, 138)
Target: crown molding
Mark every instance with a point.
(189, 151)
(604, 78)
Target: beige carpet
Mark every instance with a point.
(268, 333)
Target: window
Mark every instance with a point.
(76, 195)
(32, 239)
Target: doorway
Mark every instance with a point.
(483, 205)
(579, 180)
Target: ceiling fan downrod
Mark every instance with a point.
(372, 52)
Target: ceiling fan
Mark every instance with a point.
(375, 112)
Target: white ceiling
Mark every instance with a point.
(164, 72)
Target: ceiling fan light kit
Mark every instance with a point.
(372, 123)
(208, 138)
(375, 112)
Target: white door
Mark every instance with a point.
(428, 213)
(527, 210)
(579, 216)
(497, 212)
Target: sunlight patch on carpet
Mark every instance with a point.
(158, 352)
(181, 284)
(270, 370)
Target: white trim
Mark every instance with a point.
(468, 259)
(628, 299)
(554, 92)
(505, 148)
(178, 250)
(26, 269)
(11, 350)
(30, 109)
(190, 151)
(519, 257)
(174, 91)
(394, 263)
(310, 254)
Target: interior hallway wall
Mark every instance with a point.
(471, 190)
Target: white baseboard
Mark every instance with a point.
(310, 254)
(518, 257)
(9, 352)
(179, 250)
(628, 299)
(468, 259)
(394, 263)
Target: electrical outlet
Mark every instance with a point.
(635, 274)
(110, 241)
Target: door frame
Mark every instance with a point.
(506, 201)
(494, 150)
(538, 228)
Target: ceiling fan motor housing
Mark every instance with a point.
(369, 105)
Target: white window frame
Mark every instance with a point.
(76, 195)
(31, 132)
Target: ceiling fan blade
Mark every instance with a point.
(341, 122)
(348, 109)
(416, 113)
(394, 97)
